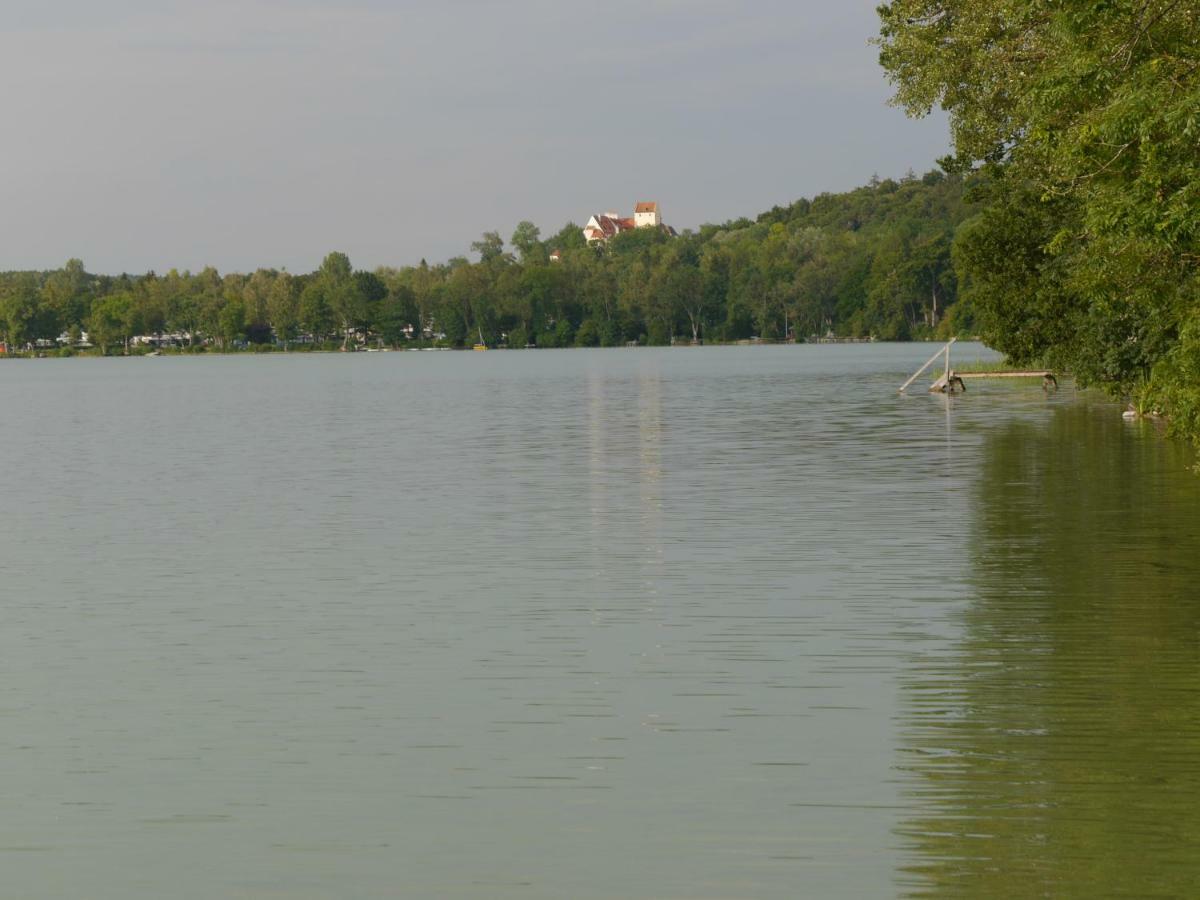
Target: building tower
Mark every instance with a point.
(646, 215)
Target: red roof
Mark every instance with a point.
(612, 226)
(608, 227)
(646, 206)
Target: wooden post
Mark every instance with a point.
(932, 360)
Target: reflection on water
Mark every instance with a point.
(1055, 748)
(695, 623)
(649, 393)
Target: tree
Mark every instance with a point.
(111, 321)
(343, 293)
(678, 285)
(209, 300)
(1089, 112)
(1025, 307)
(316, 316)
(283, 307)
(256, 296)
(65, 295)
(450, 322)
(569, 238)
(335, 268)
(490, 247)
(526, 241)
(397, 311)
(372, 291)
(180, 309)
(871, 260)
(19, 307)
(232, 321)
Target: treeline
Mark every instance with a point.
(872, 262)
(1080, 122)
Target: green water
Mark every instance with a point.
(694, 623)
(1055, 744)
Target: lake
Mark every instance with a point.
(682, 623)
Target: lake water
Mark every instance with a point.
(692, 623)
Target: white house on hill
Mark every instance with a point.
(601, 227)
(645, 215)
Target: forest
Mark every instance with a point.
(875, 262)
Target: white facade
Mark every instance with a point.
(600, 228)
(646, 215)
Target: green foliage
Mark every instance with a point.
(283, 307)
(873, 261)
(395, 311)
(490, 247)
(232, 321)
(1084, 118)
(19, 308)
(112, 321)
(316, 316)
(453, 326)
(526, 240)
(1174, 383)
(1015, 282)
(517, 338)
(588, 334)
(564, 334)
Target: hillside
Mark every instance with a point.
(871, 262)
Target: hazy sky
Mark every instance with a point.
(150, 134)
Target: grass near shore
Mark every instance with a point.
(990, 366)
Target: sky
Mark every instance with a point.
(158, 134)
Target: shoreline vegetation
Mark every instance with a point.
(335, 346)
(1076, 127)
(874, 263)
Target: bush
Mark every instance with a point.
(588, 335)
(657, 334)
(610, 334)
(564, 334)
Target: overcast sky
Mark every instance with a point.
(151, 134)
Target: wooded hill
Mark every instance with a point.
(872, 262)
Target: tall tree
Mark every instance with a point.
(112, 321)
(256, 296)
(19, 307)
(526, 239)
(283, 307)
(490, 247)
(65, 294)
(1089, 111)
(344, 294)
(316, 315)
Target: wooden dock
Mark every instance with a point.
(952, 381)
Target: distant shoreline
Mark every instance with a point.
(303, 350)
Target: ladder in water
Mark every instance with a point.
(951, 378)
(945, 350)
